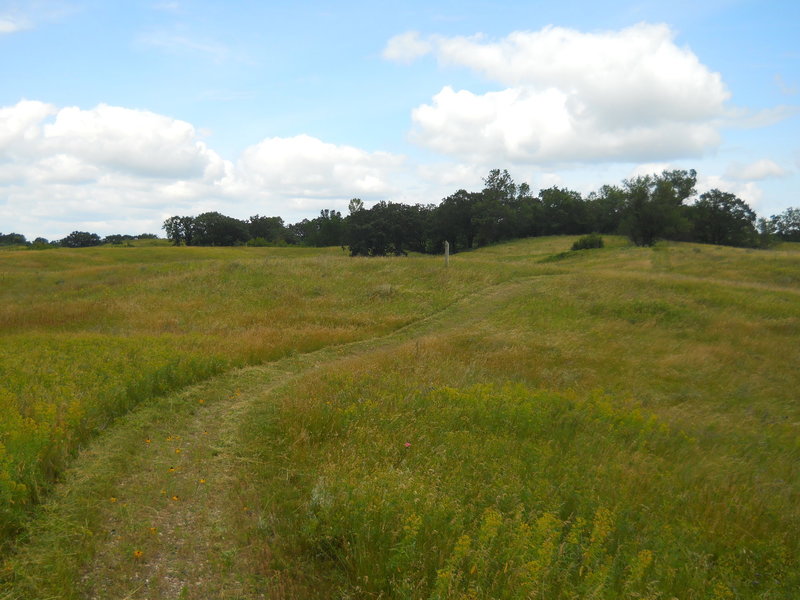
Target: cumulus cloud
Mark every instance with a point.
(571, 97)
(21, 125)
(760, 169)
(749, 191)
(306, 167)
(113, 169)
(134, 141)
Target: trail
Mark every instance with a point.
(172, 513)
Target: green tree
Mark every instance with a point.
(81, 239)
(454, 221)
(117, 238)
(605, 209)
(12, 239)
(787, 225)
(215, 229)
(722, 218)
(328, 229)
(270, 229)
(180, 230)
(562, 212)
(355, 205)
(654, 206)
(388, 228)
(493, 213)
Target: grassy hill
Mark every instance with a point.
(529, 422)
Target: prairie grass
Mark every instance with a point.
(531, 422)
(89, 333)
(615, 430)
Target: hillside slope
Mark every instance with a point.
(602, 424)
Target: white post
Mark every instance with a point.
(447, 254)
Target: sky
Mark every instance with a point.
(115, 115)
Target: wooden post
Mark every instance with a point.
(447, 254)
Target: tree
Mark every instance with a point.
(526, 213)
(270, 229)
(215, 229)
(81, 239)
(355, 205)
(654, 205)
(179, 230)
(500, 186)
(787, 225)
(562, 212)
(12, 239)
(722, 218)
(330, 228)
(387, 228)
(117, 238)
(605, 209)
(453, 221)
(366, 235)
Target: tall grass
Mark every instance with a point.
(531, 422)
(87, 334)
(508, 492)
(647, 447)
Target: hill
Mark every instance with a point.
(611, 423)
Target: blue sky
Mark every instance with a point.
(116, 115)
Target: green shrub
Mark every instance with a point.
(593, 240)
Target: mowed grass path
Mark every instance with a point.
(614, 423)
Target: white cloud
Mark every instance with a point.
(749, 191)
(523, 125)
(406, 47)
(31, 13)
(134, 141)
(571, 97)
(108, 168)
(644, 169)
(21, 125)
(12, 24)
(760, 169)
(306, 167)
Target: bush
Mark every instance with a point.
(587, 242)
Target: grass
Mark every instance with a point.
(615, 423)
(90, 333)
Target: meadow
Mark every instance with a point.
(295, 423)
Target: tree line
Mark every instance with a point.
(645, 208)
(76, 239)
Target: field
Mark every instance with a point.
(294, 423)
